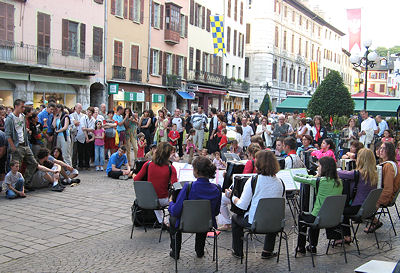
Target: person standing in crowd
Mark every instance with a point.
(267, 186)
(265, 131)
(61, 122)
(120, 124)
(294, 120)
(382, 125)
(2, 117)
(99, 135)
(247, 133)
(103, 111)
(348, 135)
(179, 121)
(199, 121)
(302, 131)
(281, 129)
(318, 132)
(96, 115)
(188, 118)
(46, 119)
(368, 129)
(161, 134)
(18, 143)
(36, 137)
(131, 134)
(213, 138)
(110, 128)
(3, 157)
(201, 189)
(75, 125)
(144, 125)
(85, 138)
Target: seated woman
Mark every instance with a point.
(368, 179)
(279, 151)
(327, 149)
(235, 149)
(201, 189)
(390, 180)
(306, 140)
(329, 185)
(250, 166)
(68, 173)
(267, 186)
(160, 173)
(355, 146)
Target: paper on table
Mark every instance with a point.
(298, 171)
(376, 266)
(287, 179)
(186, 175)
(219, 177)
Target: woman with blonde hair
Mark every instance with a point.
(367, 175)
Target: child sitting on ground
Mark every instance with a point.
(174, 155)
(150, 154)
(14, 182)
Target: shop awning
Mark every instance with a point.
(185, 95)
(212, 91)
(238, 94)
(375, 106)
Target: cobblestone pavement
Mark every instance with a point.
(86, 229)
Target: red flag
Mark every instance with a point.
(354, 22)
(330, 120)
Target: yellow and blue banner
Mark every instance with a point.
(217, 30)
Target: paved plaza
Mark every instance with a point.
(86, 229)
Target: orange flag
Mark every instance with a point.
(313, 72)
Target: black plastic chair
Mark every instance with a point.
(271, 222)
(197, 218)
(146, 199)
(329, 216)
(385, 209)
(367, 211)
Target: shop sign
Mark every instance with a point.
(113, 88)
(133, 96)
(158, 98)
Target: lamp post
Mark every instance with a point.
(368, 60)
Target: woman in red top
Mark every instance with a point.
(251, 164)
(160, 173)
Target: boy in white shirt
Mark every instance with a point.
(14, 182)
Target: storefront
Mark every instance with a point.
(157, 102)
(6, 93)
(132, 100)
(234, 100)
(208, 98)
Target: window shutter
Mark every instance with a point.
(219, 65)
(185, 68)
(47, 31)
(228, 40)
(117, 53)
(40, 29)
(248, 35)
(242, 46)
(160, 62)
(173, 60)
(191, 12)
(134, 56)
(234, 42)
(176, 64)
(125, 9)
(98, 43)
(191, 55)
(152, 14)
(3, 15)
(203, 23)
(151, 61)
(229, 8)
(161, 16)
(208, 20)
(10, 23)
(65, 37)
(241, 12)
(235, 12)
(113, 7)
(83, 40)
(141, 11)
(130, 10)
(165, 64)
(203, 58)
(186, 26)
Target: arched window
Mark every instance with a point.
(284, 72)
(274, 69)
(305, 77)
(276, 37)
(299, 76)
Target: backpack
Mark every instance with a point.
(110, 132)
(197, 122)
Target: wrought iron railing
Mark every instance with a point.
(172, 80)
(119, 72)
(207, 77)
(136, 75)
(241, 86)
(29, 55)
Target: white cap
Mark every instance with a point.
(28, 103)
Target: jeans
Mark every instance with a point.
(18, 186)
(98, 155)
(198, 139)
(24, 153)
(65, 146)
(224, 218)
(131, 142)
(312, 232)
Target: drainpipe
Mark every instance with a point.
(149, 42)
(105, 48)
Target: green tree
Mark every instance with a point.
(331, 98)
(382, 51)
(266, 104)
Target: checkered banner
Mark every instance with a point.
(217, 29)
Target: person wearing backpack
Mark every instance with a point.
(199, 121)
(263, 185)
(390, 180)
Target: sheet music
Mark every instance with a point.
(219, 177)
(186, 175)
(287, 179)
(298, 171)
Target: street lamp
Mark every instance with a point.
(368, 60)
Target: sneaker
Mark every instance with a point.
(311, 249)
(97, 169)
(237, 256)
(268, 255)
(200, 254)
(75, 180)
(172, 255)
(65, 182)
(101, 168)
(123, 177)
(57, 188)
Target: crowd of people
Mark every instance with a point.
(48, 146)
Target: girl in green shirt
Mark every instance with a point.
(329, 184)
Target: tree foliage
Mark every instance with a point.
(266, 104)
(382, 51)
(331, 98)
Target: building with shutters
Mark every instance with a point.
(282, 38)
(51, 50)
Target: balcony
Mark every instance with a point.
(20, 54)
(171, 37)
(171, 80)
(238, 85)
(119, 72)
(206, 77)
(136, 75)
